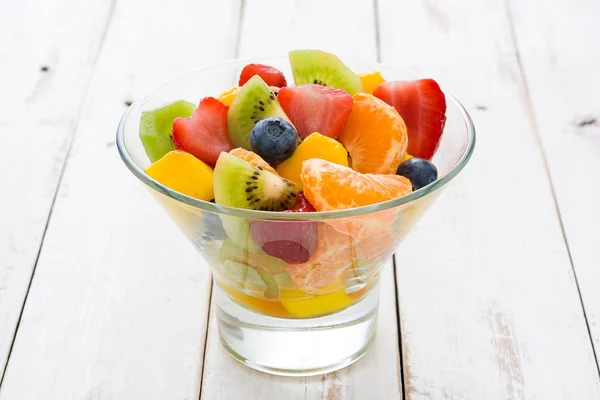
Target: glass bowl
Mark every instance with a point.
(281, 317)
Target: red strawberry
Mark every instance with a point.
(316, 108)
(204, 134)
(271, 76)
(292, 241)
(422, 105)
(302, 204)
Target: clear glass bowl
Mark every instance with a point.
(290, 318)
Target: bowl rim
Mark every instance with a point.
(277, 215)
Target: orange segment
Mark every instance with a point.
(329, 186)
(252, 158)
(375, 136)
(377, 244)
(332, 256)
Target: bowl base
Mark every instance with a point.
(297, 347)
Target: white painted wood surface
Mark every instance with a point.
(558, 49)
(38, 114)
(493, 313)
(118, 306)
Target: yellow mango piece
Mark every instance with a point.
(320, 304)
(407, 157)
(228, 96)
(184, 173)
(370, 80)
(314, 146)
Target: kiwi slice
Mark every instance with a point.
(156, 127)
(255, 282)
(231, 177)
(253, 102)
(232, 252)
(322, 68)
(238, 183)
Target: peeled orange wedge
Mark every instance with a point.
(330, 186)
(252, 158)
(332, 256)
(375, 136)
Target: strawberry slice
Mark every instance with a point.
(422, 105)
(302, 204)
(204, 134)
(316, 108)
(271, 76)
(292, 241)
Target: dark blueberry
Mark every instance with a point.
(274, 139)
(421, 172)
(212, 226)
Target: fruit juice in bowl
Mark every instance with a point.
(296, 195)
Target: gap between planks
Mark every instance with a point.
(544, 155)
(58, 183)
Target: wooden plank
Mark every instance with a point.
(559, 63)
(489, 307)
(119, 302)
(45, 68)
(377, 375)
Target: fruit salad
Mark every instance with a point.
(337, 139)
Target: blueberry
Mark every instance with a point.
(274, 139)
(421, 172)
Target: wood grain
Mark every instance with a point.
(118, 306)
(46, 61)
(493, 312)
(119, 303)
(559, 58)
(377, 375)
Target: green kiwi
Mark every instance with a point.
(230, 251)
(253, 102)
(253, 273)
(238, 183)
(252, 281)
(322, 68)
(231, 273)
(156, 127)
(238, 230)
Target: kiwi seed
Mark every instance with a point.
(263, 190)
(254, 101)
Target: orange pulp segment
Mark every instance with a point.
(330, 186)
(375, 136)
(252, 158)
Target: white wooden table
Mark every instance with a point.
(496, 294)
